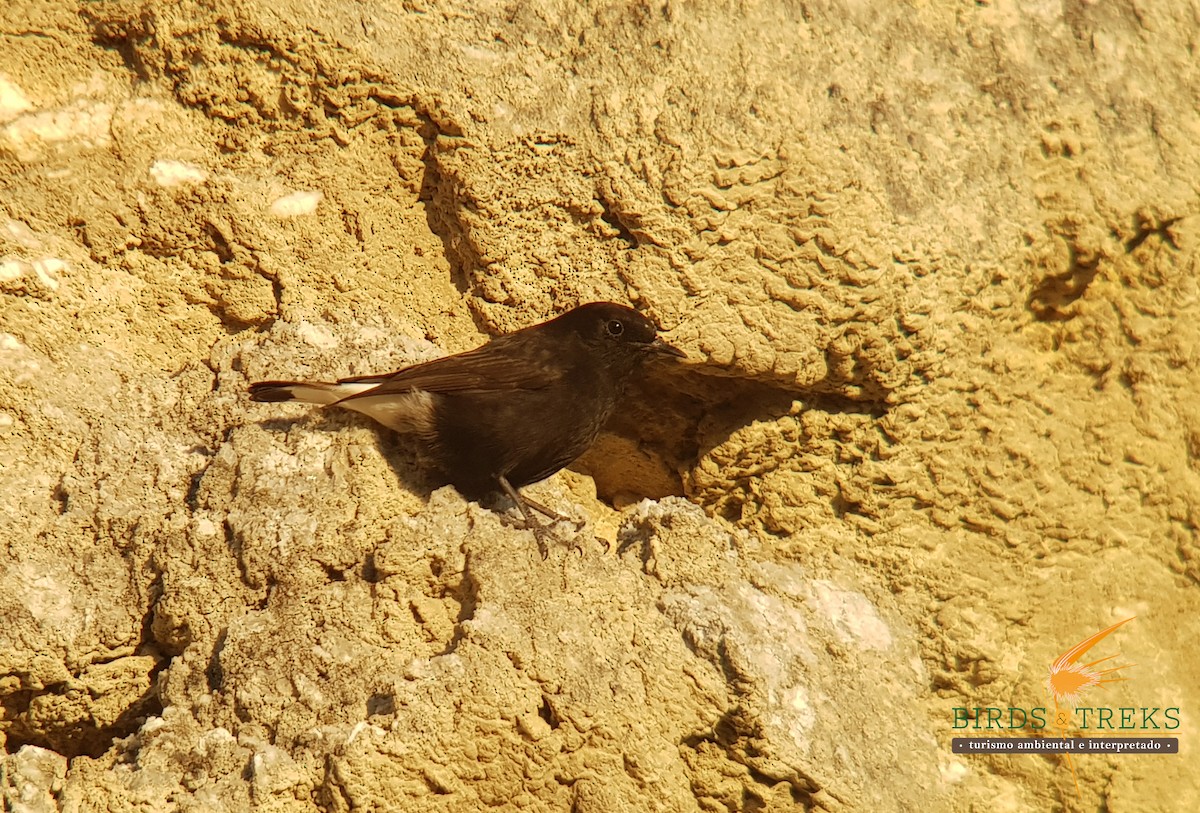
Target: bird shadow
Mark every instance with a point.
(673, 415)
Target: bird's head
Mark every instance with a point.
(617, 329)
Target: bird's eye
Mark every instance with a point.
(614, 327)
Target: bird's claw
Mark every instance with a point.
(541, 533)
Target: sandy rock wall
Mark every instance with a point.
(936, 270)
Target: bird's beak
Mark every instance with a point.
(662, 348)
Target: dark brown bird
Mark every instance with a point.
(511, 412)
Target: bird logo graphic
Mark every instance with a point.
(1070, 680)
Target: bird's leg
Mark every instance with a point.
(546, 511)
(540, 531)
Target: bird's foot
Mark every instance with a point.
(544, 536)
(542, 532)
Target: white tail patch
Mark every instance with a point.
(319, 393)
(405, 412)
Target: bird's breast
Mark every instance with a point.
(524, 435)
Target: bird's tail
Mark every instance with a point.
(310, 392)
(405, 412)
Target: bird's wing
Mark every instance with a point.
(488, 368)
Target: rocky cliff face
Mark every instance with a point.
(936, 269)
